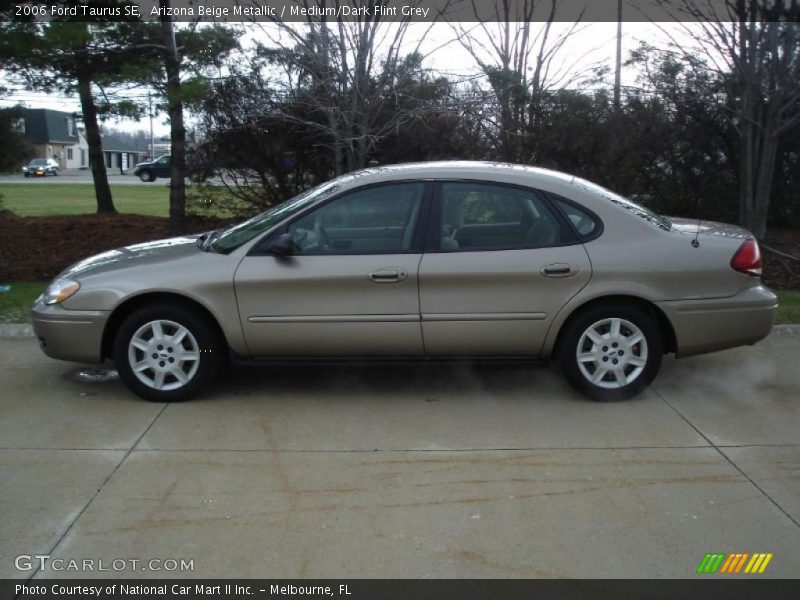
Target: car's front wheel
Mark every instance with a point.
(167, 353)
(611, 352)
(147, 176)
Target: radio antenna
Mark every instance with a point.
(696, 240)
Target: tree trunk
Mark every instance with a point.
(763, 187)
(102, 191)
(177, 133)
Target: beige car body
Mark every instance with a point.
(485, 304)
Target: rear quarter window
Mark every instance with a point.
(586, 224)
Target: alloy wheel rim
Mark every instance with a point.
(164, 355)
(612, 353)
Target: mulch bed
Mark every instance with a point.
(38, 248)
(780, 272)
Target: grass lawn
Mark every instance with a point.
(789, 310)
(15, 304)
(54, 199)
(48, 199)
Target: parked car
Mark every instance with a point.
(429, 261)
(41, 167)
(152, 169)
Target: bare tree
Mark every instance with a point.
(753, 45)
(345, 69)
(519, 58)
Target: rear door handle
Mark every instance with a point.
(388, 275)
(558, 270)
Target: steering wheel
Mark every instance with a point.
(322, 236)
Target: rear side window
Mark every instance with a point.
(586, 224)
(483, 216)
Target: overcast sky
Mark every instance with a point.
(593, 44)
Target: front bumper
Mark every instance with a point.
(715, 324)
(75, 335)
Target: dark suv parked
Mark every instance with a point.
(150, 170)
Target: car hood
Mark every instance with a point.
(136, 255)
(693, 227)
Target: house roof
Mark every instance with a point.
(43, 125)
(114, 143)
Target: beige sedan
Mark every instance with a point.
(433, 261)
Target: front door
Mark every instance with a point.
(349, 288)
(501, 265)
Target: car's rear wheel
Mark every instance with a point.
(167, 353)
(610, 352)
(146, 176)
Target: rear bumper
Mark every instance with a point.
(717, 324)
(75, 335)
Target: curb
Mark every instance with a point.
(792, 329)
(25, 330)
(16, 330)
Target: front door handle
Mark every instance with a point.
(388, 275)
(559, 270)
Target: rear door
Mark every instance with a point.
(350, 286)
(500, 263)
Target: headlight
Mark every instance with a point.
(60, 290)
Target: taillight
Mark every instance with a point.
(748, 258)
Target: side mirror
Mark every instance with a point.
(281, 245)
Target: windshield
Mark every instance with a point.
(637, 209)
(38, 162)
(233, 237)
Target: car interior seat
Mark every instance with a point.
(543, 232)
(452, 220)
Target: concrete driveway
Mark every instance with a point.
(439, 472)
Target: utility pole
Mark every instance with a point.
(152, 138)
(618, 70)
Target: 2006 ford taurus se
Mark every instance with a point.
(425, 261)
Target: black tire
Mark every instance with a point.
(573, 335)
(202, 337)
(147, 176)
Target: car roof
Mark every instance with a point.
(525, 175)
(457, 169)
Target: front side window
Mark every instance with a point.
(373, 220)
(231, 238)
(480, 216)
